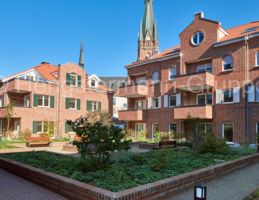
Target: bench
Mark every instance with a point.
(36, 141)
(166, 144)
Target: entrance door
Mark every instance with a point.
(16, 128)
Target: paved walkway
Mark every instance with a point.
(15, 188)
(234, 186)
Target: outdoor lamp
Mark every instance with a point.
(200, 192)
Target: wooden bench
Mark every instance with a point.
(38, 141)
(166, 144)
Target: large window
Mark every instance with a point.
(172, 127)
(228, 132)
(197, 38)
(257, 59)
(172, 101)
(155, 77)
(43, 100)
(228, 63)
(73, 80)
(204, 128)
(40, 127)
(228, 96)
(139, 127)
(172, 73)
(204, 68)
(204, 99)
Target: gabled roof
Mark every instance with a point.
(47, 71)
(233, 33)
(241, 31)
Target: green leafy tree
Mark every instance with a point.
(98, 140)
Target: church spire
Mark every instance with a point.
(148, 35)
(81, 56)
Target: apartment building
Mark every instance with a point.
(211, 75)
(50, 94)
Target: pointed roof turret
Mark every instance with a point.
(81, 56)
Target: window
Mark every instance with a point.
(73, 104)
(204, 99)
(155, 103)
(114, 101)
(197, 38)
(204, 68)
(40, 127)
(228, 96)
(155, 130)
(139, 105)
(228, 63)
(29, 77)
(26, 101)
(43, 101)
(1, 101)
(172, 73)
(155, 77)
(257, 59)
(172, 101)
(93, 83)
(93, 106)
(125, 105)
(68, 128)
(172, 127)
(141, 81)
(73, 80)
(227, 132)
(139, 127)
(204, 128)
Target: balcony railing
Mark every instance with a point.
(133, 91)
(132, 115)
(195, 81)
(197, 111)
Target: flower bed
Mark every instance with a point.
(127, 170)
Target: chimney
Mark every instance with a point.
(198, 15)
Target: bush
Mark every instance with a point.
(98, 140)
(25, 133)
(212, 144)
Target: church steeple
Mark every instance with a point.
(81, 56)
(148, 35)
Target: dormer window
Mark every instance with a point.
(93, 84)
(197, 38)
(228, 63)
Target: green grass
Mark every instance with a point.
(6, 145)
(126, 169)
(253, 196)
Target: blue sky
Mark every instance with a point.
(32, 31)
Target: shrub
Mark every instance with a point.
(25, 133)
(98, 141)
(212, 144)
(162, 161)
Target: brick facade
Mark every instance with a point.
(15, 88)
(243, 46)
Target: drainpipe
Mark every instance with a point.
(246, 84)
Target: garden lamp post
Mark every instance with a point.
(200, 192)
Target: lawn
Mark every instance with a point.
(126, 169)
(6, 145)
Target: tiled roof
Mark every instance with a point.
(242, 30)
(233, 33)
(47, 71)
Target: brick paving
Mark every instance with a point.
(15, 188)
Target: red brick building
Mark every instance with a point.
(50, 94)
(212, 75)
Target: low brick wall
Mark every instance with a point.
(76, 190)
(69, 148)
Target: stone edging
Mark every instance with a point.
(76, 190)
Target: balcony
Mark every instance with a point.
(19, 86)
(132, 115)
(194, 82)
(18, 112)
(133, 91)
(202, 112)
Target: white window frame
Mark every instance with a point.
(154, 103)
(223, 133)
(26, 101)
(206, 98)
(1, 101)
(153, 125)
(137, 105)
(172, 106)
(76, 81)
(42, 127)
(75, 101)
(93, 83)
(228, 102)
(139, 127)
(199, 41)
(204, 68)
(169, 126)
(43, 101)
(153, 78)
(171, 76)
(257, 58)
(223, 63)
